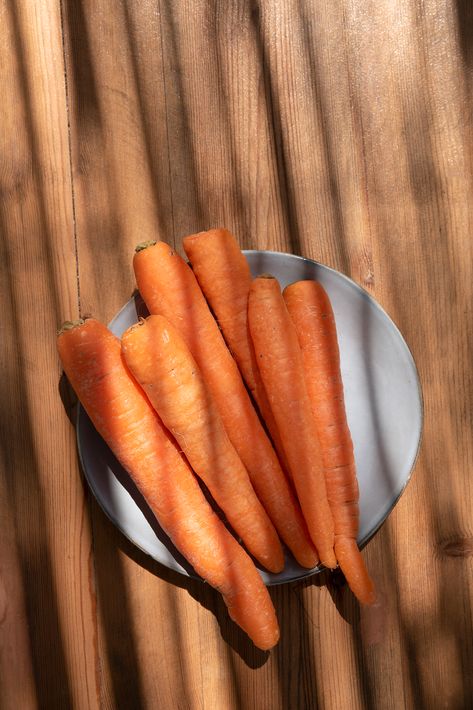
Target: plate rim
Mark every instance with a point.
(366, 539)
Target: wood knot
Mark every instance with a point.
(457, 547)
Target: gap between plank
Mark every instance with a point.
(92, 569)
(167, 120)
(69, 146)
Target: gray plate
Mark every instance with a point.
(384, 409)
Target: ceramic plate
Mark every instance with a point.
(383, 401)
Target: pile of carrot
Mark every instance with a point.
(234, 383)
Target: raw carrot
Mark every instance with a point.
(280, 363)
(169, 288)
(91, 357)
(163, 365)
(224, 276)
(312, 314)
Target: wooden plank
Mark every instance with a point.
(143, 615)
(222, 148)
(121, 183)
(47, 625)
(338, 131)
(16, 666)
(118, 130)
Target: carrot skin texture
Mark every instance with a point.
(162, 364)
(224, 276)
(312, 314)
(169, 288)
(280, 363)
(92, 360)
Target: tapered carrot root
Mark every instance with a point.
(280, 363)
(312, 314)
(169, 288)
(162, 364)
(224, 276)
(121, 413)
(353, 567)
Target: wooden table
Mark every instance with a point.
(340, 131)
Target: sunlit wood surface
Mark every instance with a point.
(337, 130)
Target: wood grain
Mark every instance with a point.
(340, 131)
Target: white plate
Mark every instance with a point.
(383, 401)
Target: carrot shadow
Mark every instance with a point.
(68, 398)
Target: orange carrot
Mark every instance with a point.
(280, 363)
(169, 288)
(224, 276)
(311, 312)
(162, 364)
(91, 357)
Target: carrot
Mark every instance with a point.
(169, 288)
(162, 364)
(280, 363)
(224, 276)
(314, 320)
(91, 357)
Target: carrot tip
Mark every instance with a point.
(145, 245)
(265, 276)
(370, 599)
(69, 325)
